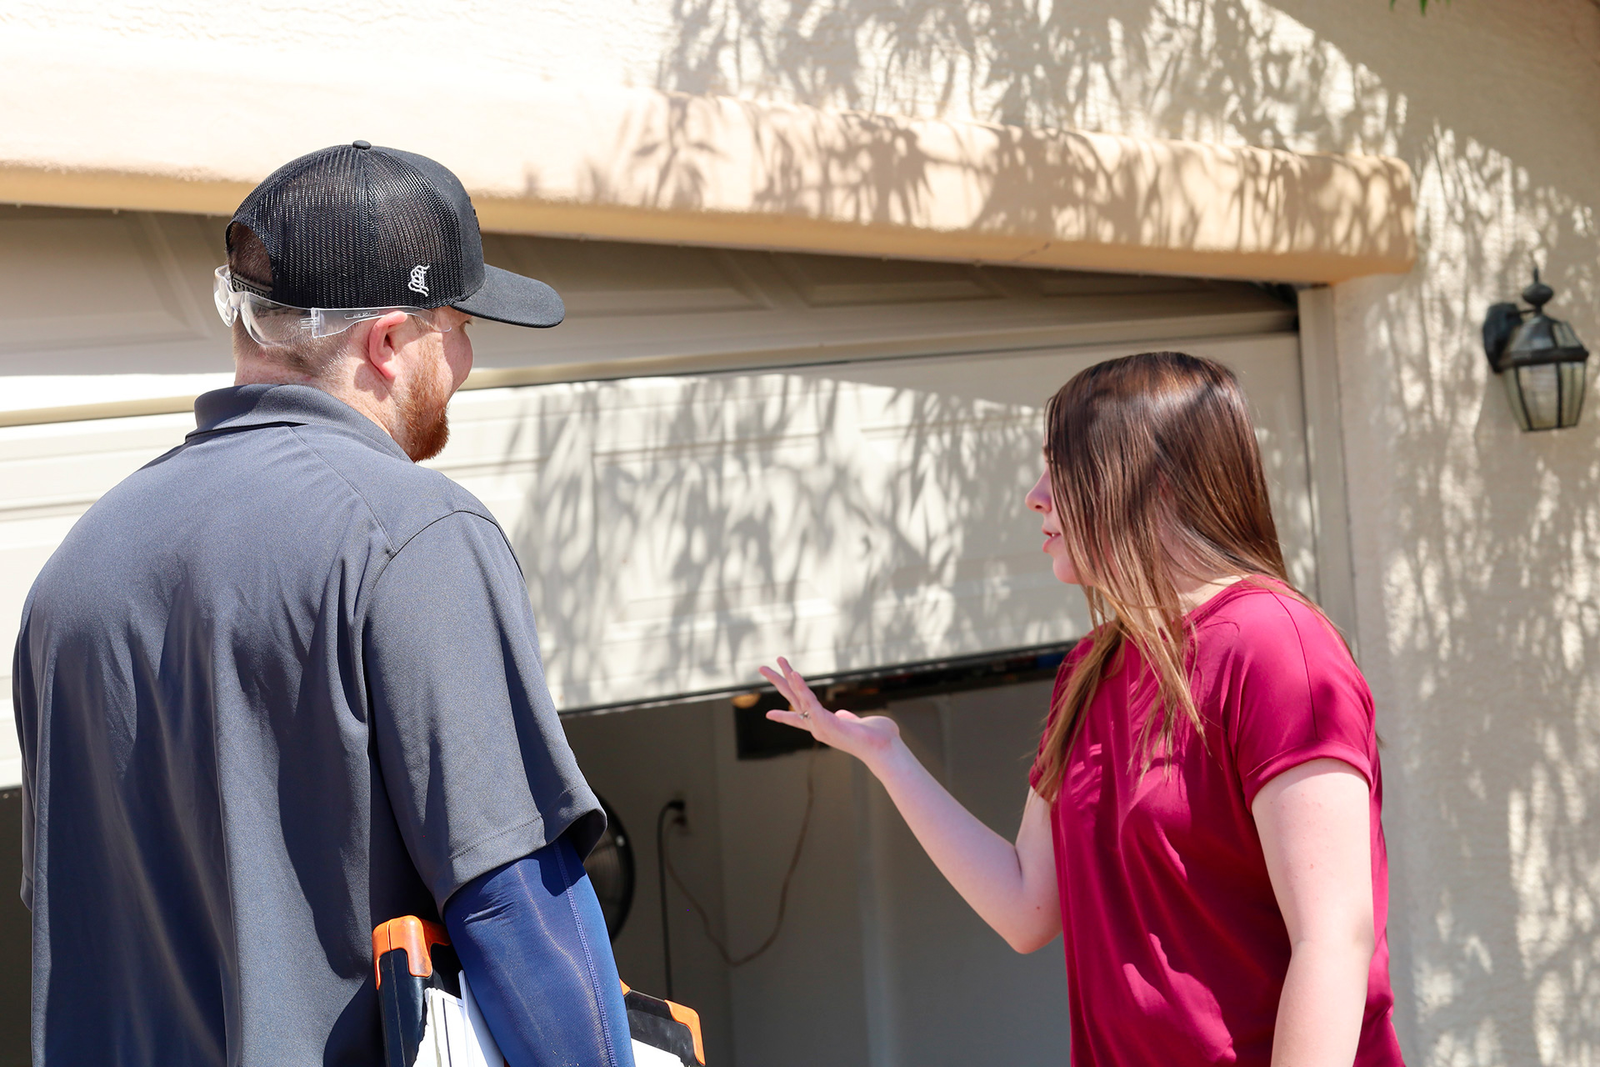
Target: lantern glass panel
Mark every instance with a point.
(1573, 380)
(1532, 392)
(1535, 337)
(1546, 396)
(1563, 335)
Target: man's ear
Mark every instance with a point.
(382, 348)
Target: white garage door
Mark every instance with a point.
(719, 457)
(676, 532)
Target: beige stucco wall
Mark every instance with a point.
(1476, 548)
(119, 110)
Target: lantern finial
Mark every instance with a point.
(1538, 294)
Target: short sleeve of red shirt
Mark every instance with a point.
(1297, 694)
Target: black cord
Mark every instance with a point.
(661, 882)
(783, 892)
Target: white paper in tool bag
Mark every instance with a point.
(649, 1056)
(456, 1035)
(484, 1052)
(440, 1010)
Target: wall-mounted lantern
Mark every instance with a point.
(1540, 359)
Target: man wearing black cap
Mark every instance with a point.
(282, 684)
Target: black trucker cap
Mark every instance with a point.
(356, 226)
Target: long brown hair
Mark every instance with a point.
(1155, 476)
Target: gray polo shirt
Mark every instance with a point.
(278, 686)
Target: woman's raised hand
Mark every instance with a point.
(1012, 886)
(866, 738)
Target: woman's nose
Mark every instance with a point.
(1038, 498)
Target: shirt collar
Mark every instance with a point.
(248, 407)
(1249, 583)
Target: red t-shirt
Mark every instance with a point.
(1176, 950)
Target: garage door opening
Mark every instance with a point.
(875, 958)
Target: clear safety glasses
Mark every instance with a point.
(276, 325)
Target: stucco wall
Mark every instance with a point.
(1476, 548)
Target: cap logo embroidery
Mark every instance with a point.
(419, 279)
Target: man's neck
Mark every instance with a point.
(251, 372)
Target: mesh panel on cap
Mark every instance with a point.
(349, 227)
(411, 226)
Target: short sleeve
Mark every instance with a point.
(471, 750)
(1299, 696)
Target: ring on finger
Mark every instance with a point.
(804, 714)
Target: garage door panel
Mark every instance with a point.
(678, 532)
(649, 280)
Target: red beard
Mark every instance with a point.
(425, 420)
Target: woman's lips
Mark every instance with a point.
(1048, 537)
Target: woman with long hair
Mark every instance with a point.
(1203, 819)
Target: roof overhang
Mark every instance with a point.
(176, 128)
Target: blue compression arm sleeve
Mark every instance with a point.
(533, 944)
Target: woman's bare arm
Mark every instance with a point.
(1315, 830)
(1012, 886)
